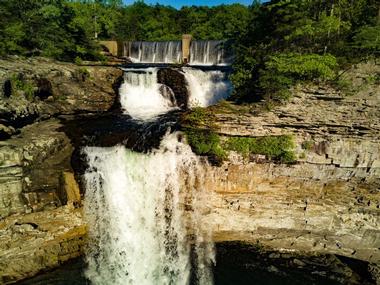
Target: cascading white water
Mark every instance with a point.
(208, 53)
(206, 87)
(155, 52)
(202, 52)
(141, 210)
(140, 94)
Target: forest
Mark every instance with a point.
(276, 43)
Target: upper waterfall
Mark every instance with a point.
(206, 87)
(202, 52)
(209, 53)
(154, 52)
(143, 98)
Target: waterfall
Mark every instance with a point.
(208, 53)
(143, 214)
(206, 87)
(155, 52)
(202, 52)
(142, 97)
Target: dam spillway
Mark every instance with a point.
(201, 52)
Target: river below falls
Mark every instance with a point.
(72, 273)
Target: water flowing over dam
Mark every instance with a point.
(202, 52)
(154, 52)
(143, 208)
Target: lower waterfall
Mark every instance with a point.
(142, 210)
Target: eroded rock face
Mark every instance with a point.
(39, 88)
(328, 201)
(31, 167)
(176, 81)
(39, 241)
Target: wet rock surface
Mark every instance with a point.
(244, 263)
(31, 166)
(176, 81)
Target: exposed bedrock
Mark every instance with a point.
(176, 80)
(328, 202)
(40, 88)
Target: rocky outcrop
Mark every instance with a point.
(31, 168)
(41, 224)
(39, 241)
(176, 81)
(40, 88)
(328, 201)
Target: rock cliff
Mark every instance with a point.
(325, 203)
(328, 201)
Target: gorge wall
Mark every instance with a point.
(327, 202)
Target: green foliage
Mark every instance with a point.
(281, 71)
(198, 126)
(367, 39)
(307, 145)
(83, 73)
(20, 85)
(274, 147)
(288, 41)
(205, 142)
(46, 28)
(78, 61)
(198, 116)
(302, 66)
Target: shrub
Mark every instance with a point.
(303, 66)
(198, 127)
(205, 142)
(274, 147)
(307, 145)
(18, 84)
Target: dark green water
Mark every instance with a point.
(72, 274)
(240, 264)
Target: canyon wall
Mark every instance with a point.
(326, 202)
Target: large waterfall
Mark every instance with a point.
(142, 210)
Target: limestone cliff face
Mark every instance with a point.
(33, 160)
(326, 202)
(40, 88)
(40, 226)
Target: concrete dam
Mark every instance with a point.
(187, 51)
